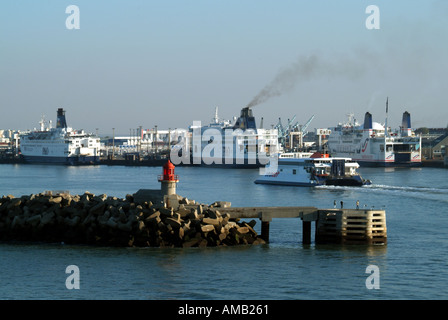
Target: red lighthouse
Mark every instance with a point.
(168, 179)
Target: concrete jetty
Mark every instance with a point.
(174, 222)
(111, 221)
(340, 226)
(162, 218)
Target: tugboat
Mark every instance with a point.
(317, 170)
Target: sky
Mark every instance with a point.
(168, 63)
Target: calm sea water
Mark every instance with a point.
(413, 265)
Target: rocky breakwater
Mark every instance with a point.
(110, 221)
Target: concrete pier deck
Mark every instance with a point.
(348, 226)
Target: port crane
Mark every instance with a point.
(286, 134)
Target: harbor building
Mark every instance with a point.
(434, 141)
(145, 142)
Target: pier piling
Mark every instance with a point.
(350, 226)
(306, 232)
(343, 226)
(265, 230)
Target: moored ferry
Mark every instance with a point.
(60, 145)
(316, 170)
(233, 144)
(373, 144)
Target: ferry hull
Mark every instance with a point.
(365, 163)
(232, 164)
(355, 181)
(314, 171)
(350, 182)
(226, 166)
(287, 183)
(78, 160)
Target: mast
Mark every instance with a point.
(42, 123)
(386, 134)
(216, 118)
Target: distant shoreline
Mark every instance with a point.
(160, 162)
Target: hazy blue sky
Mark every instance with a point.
(170, 62)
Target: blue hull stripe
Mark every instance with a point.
(388, 164)
(287, 183)
(62, 160)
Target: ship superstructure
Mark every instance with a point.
(316, 170)
(60, 145)
(237, 143)
(374, 144)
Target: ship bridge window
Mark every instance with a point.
(294, 171)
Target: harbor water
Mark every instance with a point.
(413, 265)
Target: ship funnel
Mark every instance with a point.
(246, 120)
(61, 123)
(368, 121)
(406, 124)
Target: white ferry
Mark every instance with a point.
(373, 144)
(60, 145)
(233, 144)
(314, 171)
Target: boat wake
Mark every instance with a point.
(408, 189)
(387, 188)
(429, 193)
